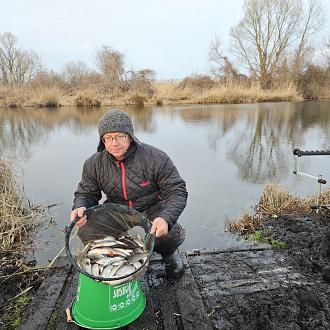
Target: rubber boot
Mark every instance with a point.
(174, 265)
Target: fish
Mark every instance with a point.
(105, 239)
(106, 271)
(109, 260)
(86, 265)
(137, 264)
(115, 269)
(113, 257)
(138, 240)
(123, 252)
(95, 270)
(136, 257)
(98, 253)
(108, 244)
(129, 242)
(125, 270)
(105, 261)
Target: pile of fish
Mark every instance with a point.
(112, 257)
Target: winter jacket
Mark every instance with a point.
(145, 177)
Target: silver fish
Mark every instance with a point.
(109, 244)
(86, 265)
(105, 239)
(115, 268)
(105, 261)
(117, 263)
(138, 240)
(95, 270)
(95, 255)
(124, 252)
(136, 257)
(137, 264)
(125, 270)
(106, 271)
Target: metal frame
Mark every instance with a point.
(299, 153)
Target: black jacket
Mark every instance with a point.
(145, 177)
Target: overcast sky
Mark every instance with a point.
(170, 37)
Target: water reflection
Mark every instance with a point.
(225, 152)
(259, 135)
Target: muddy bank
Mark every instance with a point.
(299, 301)
(18, 283)
(308, 241)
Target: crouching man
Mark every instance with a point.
(140, 176)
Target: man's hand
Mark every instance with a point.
(80, 213)
(159, 226)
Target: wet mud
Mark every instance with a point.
(14, 279)
(292, 293)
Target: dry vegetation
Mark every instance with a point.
(16, 218)
(18, 277)
(275, 201)
(191, 90)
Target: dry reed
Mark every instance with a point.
(167, 92)
(275, 201)
(16, 217)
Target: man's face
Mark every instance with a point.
(117, 144)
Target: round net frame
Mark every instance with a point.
(106, 220)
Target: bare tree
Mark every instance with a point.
(312, 21)
(269, 29)
(326, 52)
(16, 65)
(222, 66)
(112, 65)
(141, 80)
(73, 73)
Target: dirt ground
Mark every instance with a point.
(15, 279)
(304, 306)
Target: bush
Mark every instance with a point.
(197, 82)
(136, 99)
(312, 84)
(141, 82)
(86, 101)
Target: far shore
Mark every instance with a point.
(160, 93)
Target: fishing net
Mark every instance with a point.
(114, 245)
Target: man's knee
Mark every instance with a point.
(167, 244)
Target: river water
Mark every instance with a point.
(226, 154)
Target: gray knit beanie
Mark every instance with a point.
(116, 120)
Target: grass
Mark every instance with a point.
(163, 92)
(259, 236)
(16, 217)
(14, 311)
(275, 201)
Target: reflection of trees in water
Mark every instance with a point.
(19, 132)
(218, 120)
(261, 149)
(316, 114)
(142, 119)
(23, 128)
(261, 134)
(257, 150)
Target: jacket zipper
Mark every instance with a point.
(123, 184)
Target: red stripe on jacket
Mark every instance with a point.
(123, 183)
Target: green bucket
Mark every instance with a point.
(103, 306)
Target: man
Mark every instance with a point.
(138, 175)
